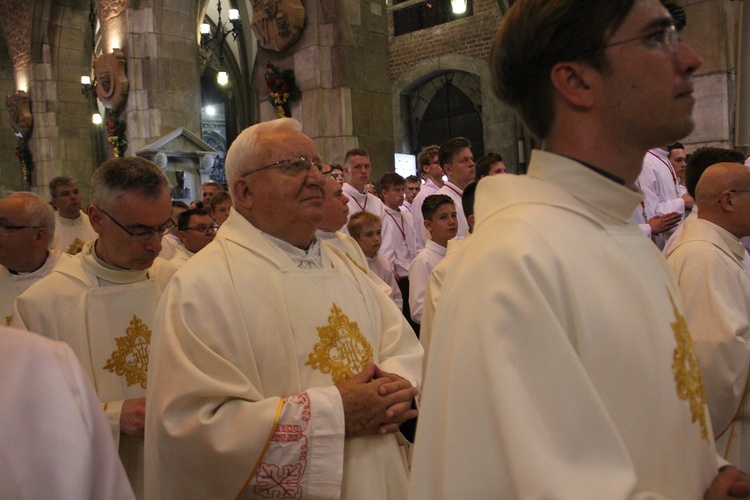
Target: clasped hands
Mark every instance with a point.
(376, 402)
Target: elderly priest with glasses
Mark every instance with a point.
(102, 301)
(278, 368)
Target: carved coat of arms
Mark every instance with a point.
(277, 24)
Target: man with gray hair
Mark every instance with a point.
(73, 228)
(27, 226)
(278, 367)
(102, 301)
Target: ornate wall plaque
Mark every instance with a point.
(19, 107)
(277, 24)
(111, 81)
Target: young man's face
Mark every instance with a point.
(443, 225)
(358, 167)
(460, 170)
(678, 159)
(222, 211)
(433, 169)
(497, 168)
(393, 197)
(208, 192)
(412, 189)
(646, 73)
(370, 239)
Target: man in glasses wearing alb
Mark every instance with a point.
(102, 301)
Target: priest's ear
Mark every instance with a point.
(242, 192)
(95, 217)
(572, 82)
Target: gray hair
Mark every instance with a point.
(248, 144)
(37, 210)
(118, 176)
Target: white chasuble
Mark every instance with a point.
(247, 349)
(560, 364)
(106, 316)
(13, 285)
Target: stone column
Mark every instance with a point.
(341, 65)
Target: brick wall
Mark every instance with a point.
(471, 36)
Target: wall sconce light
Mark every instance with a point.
(87, 85)
(222, 78)
(96, 119)
(459, 6)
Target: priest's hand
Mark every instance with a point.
(401, 411)
(663, 223)
(729, 483)
(133, 417)
(367, 411)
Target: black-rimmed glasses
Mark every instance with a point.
(142, 234)
(203, 229)
(293, 166)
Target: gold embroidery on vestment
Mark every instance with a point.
(342, 351)
(131, 357)
(356, 264)
(686, 371)
(75, 247)
(8, 320)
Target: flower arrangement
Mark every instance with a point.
(115, 132)
(283, 86)
(23, 153)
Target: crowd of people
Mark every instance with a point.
(581, 331)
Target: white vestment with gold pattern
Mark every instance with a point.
(708, 263)
(106, 316)
(560, 365)
(247, 347)
(13, 285)
(71, 234)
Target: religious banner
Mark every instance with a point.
(277, 24)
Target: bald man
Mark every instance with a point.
(707, 260)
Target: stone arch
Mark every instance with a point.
(498, 121)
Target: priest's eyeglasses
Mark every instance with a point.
(142, 234)
(294, 166)
(666, 37)
(203, 229)
(5, 229)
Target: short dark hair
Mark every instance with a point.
(181, 204)
(387, 180)
(63, 180)
(537, 34)
(703, 158)
(674, 145)
(451, 147)
(355, 152)
(183, 220)
(432, 203)
(412, 178)
(467, 198)
(336, 166)
(485, 162)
